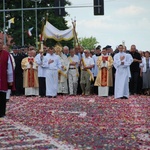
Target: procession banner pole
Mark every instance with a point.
(41, 36)
(123, 43)
(75, 33)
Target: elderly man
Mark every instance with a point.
(30, 80)
(87, 64)
(135, 70)
(62, 73)
(66, 51)
(73, 73)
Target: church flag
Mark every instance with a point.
(51, 32)
(12, 20)
(29, 31)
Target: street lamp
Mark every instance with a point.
(36, 21)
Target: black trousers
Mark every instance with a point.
(79, 90)
(42, 86)
(95, 88)
(133, 85)
(19, 85)
(2, 104)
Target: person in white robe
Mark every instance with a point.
(62, 73)
(145, 68)
(52, 64)
(5, 47)
(8, 94)
(122, 62)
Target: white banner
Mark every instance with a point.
(50, 32)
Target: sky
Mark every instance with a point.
(123, 20)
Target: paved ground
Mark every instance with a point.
(76, 123)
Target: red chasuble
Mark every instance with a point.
(4, 55)
(31, 74)
(104, 73)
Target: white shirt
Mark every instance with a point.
(41, 69)
(88, 61)
(95, 68)
(143, 64)
(75, 58)
(13, 61)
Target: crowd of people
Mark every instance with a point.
(51, 71)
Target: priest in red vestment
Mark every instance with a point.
(104, 76)
(30, 76)
(6, 77)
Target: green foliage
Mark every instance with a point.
(29, 21)
(88, 43)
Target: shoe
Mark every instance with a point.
(120, 98)
(28, 95)
(124, 97)
(87, 93)
(83, 93)
(52, 96)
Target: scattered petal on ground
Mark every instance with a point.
(85, 123)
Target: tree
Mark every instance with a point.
(29, 20)
(88, 43)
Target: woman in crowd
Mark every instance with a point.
(146, 73)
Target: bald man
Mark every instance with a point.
(87, 64)
(30, 80)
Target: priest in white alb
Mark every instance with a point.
(122, 62)
(62, 73)
(52, 64)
